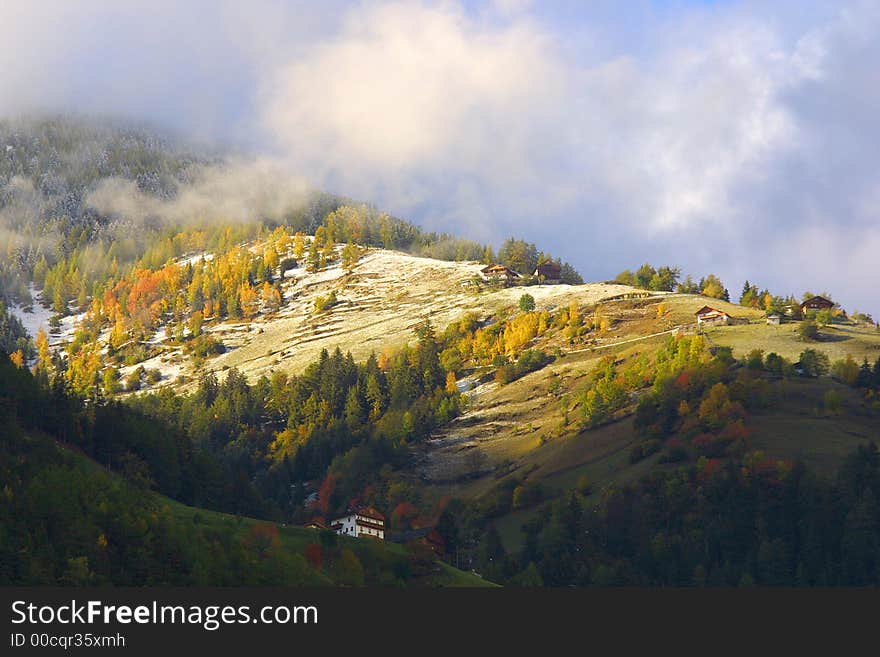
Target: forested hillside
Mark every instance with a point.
(80, 508)
(691, 497)
(219, 355)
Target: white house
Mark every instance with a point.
(707, 315)
(363, 522)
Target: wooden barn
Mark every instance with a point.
(499, 274)
(816, 303)
(549, 273)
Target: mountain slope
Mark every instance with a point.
(66, 520)
(380, 302)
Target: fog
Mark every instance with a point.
(236, 191)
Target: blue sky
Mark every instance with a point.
(732, 137)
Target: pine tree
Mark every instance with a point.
(375, 396)
(354, 413)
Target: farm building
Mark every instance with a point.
(499, 273)
(363, 522)
(816, 303)
(549, 273)
(712, 316)
(774, 319)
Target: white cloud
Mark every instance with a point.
(406, 91)
(511, 7)
(711, 137)
(408, 94)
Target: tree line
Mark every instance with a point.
(668, 279)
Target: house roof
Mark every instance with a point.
(818, 301)
(370, 512)
(367, 512)
(708, 310)
(499, 269)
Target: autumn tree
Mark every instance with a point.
(328, 250)
(270, 259)
(83, 368)
(313, 262)
(44, 355)
(846, 370)
(714, 406)
(299, 246)
(195, 323)
(350, 256)
(519, 331)
(261, 539)
(451, 383)
(247, 296)
(711, 286)
(110, 381)
(17, 358)
(326, 493)
(270, 296)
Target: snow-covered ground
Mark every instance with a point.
(38, 317)
(170, 365)
(378, 305)
(196, 258)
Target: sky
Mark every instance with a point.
(734, 137)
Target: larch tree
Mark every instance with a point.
(350, 256)
(44, 355)
(17, 358)
(299, 246)
(313, 263)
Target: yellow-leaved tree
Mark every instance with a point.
(17, 358)
(299, 246)
(44, 356)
